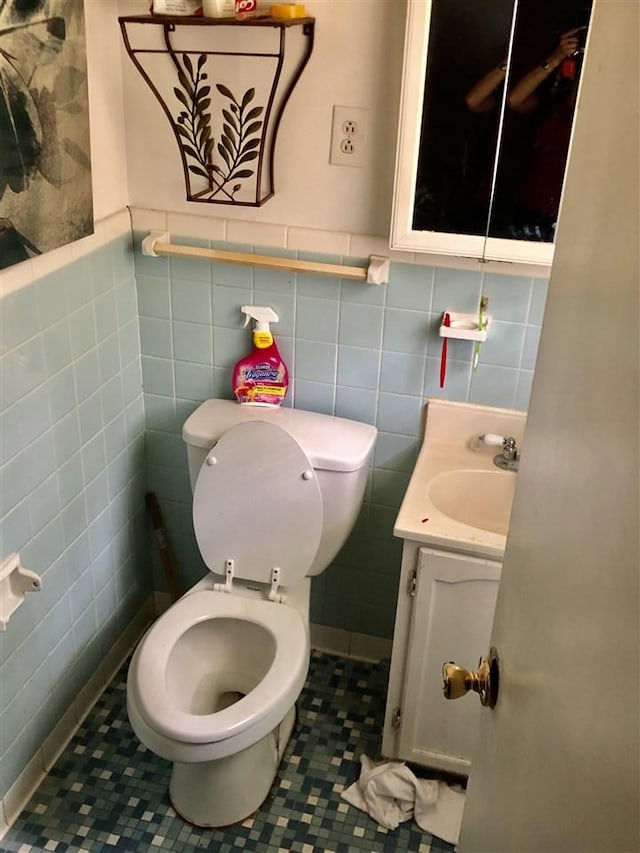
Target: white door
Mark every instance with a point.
(558, 765)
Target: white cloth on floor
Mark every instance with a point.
(391, 793)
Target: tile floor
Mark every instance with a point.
(108, 793)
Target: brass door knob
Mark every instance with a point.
(485, 680)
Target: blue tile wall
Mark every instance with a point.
(72, 485)
(358, 351)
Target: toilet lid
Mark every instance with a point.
(257, 502)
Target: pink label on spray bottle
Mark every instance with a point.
(260, 381)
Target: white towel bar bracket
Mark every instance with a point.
(158, 243)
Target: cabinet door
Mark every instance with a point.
(452, 618)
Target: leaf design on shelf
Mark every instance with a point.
(193, 124)
(240, 136)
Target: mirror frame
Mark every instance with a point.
(403, 236)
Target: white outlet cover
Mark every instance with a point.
(358, 116)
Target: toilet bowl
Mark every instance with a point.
(213, 683)
(198, 705)
(195, 707)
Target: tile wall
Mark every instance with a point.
(354, 350)
(80, 443)
(72, 484)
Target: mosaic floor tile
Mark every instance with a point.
(107, 793)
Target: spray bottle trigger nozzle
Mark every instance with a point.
(259, 313)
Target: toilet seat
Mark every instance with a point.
(257, 506)
(260, 710)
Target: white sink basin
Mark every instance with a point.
(457, 498)
(478, 498)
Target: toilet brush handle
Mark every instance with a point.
(163, 544)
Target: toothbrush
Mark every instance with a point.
(443, 357)
(484, 304)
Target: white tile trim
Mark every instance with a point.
(277, 236)
(335, 641)
(369, 648)
(143, 219)
(127, 641)
(15, 277)
(59, 737)
(105, 230)
(198, 227)
(4, 826)
(117, 225)
(22, 789)
(257, 233)
(292, 237)
(85, 246)
(363, 245)
(349, 644)
(48, 753)
(311, 240)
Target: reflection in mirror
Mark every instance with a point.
(465, 99)
(466, 70)
(546, 62)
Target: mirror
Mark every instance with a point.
(546, 61)
(497, 89)
(458, 144)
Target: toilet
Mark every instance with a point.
(212, 685)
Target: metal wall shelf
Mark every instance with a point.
(200, 21)
(225, 129)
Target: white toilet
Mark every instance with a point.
(212, 685)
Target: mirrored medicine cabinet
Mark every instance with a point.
(488, 98)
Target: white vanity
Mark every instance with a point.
(454, 519)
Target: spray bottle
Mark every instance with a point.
(261, 378)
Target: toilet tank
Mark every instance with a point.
(339, 450)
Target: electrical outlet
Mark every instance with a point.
(348, 136)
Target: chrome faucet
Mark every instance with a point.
(509, 456)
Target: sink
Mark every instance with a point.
(479, 498)
(456, 498)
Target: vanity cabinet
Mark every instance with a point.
(453, 521)
(445, 612)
